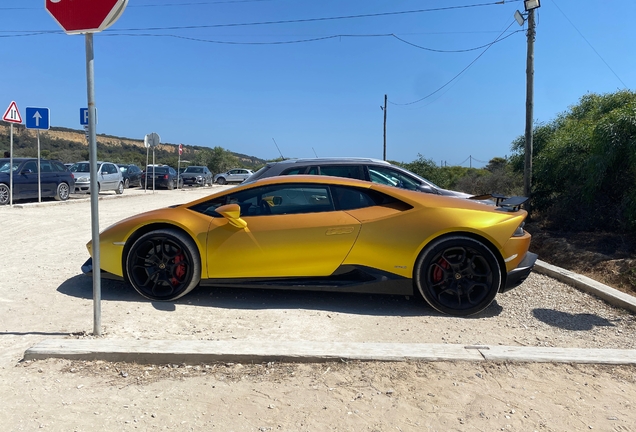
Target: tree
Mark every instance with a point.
(584, 167)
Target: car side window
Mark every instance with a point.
(58, 166)
(30, 167)
(391, 177)
(273, 200)
(45, 166)
(348, 198)
(347, 171)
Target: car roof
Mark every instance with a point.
(333, 160)
(21, 159)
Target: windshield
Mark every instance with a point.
(158, 170)
(194, 170)
(258, 174)
(83, 167)
(4, 166)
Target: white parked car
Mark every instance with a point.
(109, 177)
(235, 175)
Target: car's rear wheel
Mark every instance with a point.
(126, 183)
(458, 275)
(163, 265)
(5, 193)
(120, 188)
(63, 191)
(221, 180)
(170, 184)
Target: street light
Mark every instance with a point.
(531, 4)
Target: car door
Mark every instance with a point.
(110, 176)
(48, 179)
(25, 180)
(292, 230)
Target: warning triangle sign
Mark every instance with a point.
(12, 114)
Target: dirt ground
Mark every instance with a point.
(42, 296)
(606, 257)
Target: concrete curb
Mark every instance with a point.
(254, 351)
(590, 286)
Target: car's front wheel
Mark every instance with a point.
(221, 180)
(63, 191)
(163, 265)
(458, 275)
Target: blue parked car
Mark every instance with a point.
(55, 179)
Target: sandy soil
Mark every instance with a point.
(43, 295)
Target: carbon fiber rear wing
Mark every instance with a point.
(511, 204)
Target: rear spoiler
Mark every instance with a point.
(511, 204)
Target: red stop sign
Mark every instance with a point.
(85, 16)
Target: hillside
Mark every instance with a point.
(58, 139)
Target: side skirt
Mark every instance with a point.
(357, 279)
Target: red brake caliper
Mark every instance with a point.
(438, 273)
(180, 269)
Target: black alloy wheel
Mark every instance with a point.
(163, 265)
(458, 275)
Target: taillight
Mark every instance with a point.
(165, 177)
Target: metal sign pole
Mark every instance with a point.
(11, 166)
(92, 151)
(39, 171)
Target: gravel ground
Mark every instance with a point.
(43, 295)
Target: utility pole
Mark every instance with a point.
(384, 109)
(527, 171)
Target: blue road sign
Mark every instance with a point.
(37, 118)
(84, 116)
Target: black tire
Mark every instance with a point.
(221, 180)
(171, 185)
(163, 265)
(63, 192)
(5, 194)
(126, 183)
(458, 275)
(120, 188)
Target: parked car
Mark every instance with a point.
(55, 179)
(164, 177)
(328, 234)
(109, 177)
(196, 175)
(373, 170)
(235, 175)
(131, 174)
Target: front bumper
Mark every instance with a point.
(517, 275)
(87, 269)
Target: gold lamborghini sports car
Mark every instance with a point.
(325, 233)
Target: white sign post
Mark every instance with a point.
(88, 17)
(11, 115)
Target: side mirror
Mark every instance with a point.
(232, 212)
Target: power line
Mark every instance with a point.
(316, 39)
(588, 42)
(304, 20)
(463, 70)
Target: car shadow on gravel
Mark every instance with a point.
(81, 286)
(568, 321)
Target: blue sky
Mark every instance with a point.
(160, 68)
